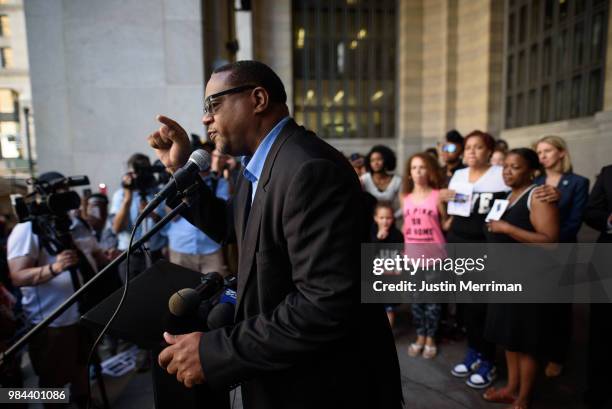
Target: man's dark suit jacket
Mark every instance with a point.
(599, 206)
(301, 337)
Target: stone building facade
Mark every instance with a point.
(101, 71)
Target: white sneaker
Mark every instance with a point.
(483, 377)
(470, 363)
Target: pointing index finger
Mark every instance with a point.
(169, 122)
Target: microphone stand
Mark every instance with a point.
(186, 202)
(148, 258)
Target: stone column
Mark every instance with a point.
(607, 103)
(409, 112)
(272, 39)
(478, 71)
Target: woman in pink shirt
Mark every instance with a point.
(424, 217)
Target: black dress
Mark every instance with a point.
(517, 327)
(467, 230)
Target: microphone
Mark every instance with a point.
(187, 300)
(199, 161)
(222, 314)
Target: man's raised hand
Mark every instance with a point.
(171, 144)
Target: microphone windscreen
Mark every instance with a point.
(183, 302)
(221, 315)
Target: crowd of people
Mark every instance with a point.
(35, 279)
(547, 203)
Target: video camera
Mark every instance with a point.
(49, 198)
(146, 177)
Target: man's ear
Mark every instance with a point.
(261, 98)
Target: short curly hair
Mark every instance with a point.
(389, 159)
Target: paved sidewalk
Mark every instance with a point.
(428, 384)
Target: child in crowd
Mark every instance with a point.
(424, 214)
(384, 231)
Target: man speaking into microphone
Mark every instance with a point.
(300, 337)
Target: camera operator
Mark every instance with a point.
(59, 352)
(138, 188)
(95, 212)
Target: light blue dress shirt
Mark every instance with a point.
(254, 164)
(184, 237)
(158, 240)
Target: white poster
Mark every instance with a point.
(461, 205)
(497, 210)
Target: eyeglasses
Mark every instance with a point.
(210, 103)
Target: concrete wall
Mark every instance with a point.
(17, 78)
(438, 102)
(272, 37)
(588, 139)
(608, 71)
(244, 35)
(450, 70)
(472, 65)
(102, 70)
(409, 112)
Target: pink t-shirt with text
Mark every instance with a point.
(422, 225)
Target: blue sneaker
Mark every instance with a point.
(470, 363)
(483, 377)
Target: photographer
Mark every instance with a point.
(95, 212)
(58, 352)
(138, 188)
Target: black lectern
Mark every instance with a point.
(142, 320)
